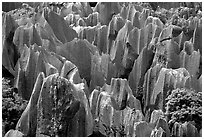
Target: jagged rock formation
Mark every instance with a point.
(9, 49)
(13, 133)
(116, 107)
(102, 71)
(57, 106)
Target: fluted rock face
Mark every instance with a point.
(128, 59)
(102, 70)
(124, 12)
(9, 49)
(27, 124)
(111, 118)
(93, 102)
(197, 38)
(192, 64)
(123, 54)
(96, 35)
(116, 108)
(92, 19)
(173, 55)
(26, 35)
(133, 39)
(120, 39)
(97, 74)
(135, 20)
(127, 11)
(101, 41)
(106, 10)
(118, 93)
(150, 79)
(140, 67)
(163, 81)
(30, 64)
(88, 33)
(184, 130)
(116, 23)
(25, 78)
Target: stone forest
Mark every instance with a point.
(102, 69)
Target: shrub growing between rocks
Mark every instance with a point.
(184, 105)
(12, 106)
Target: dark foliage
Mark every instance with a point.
(12, 106)
(184, 105)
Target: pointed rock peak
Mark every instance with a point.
(67, 68)
(128, 25)
(145, 13)
(13, 133)
(149, 20)
(156, 114)
(71, 74)
(137, 14)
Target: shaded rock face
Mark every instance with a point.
(114, 27)
(10, 53)
(129, 58)
(62, 31)
(140, 67)
(78, 52)
(119, 94)
(107, 10)
(20, 37)
(30, 64)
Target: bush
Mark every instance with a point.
(184, 105)
(12, 106)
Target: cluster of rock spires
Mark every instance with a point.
(98, 71)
